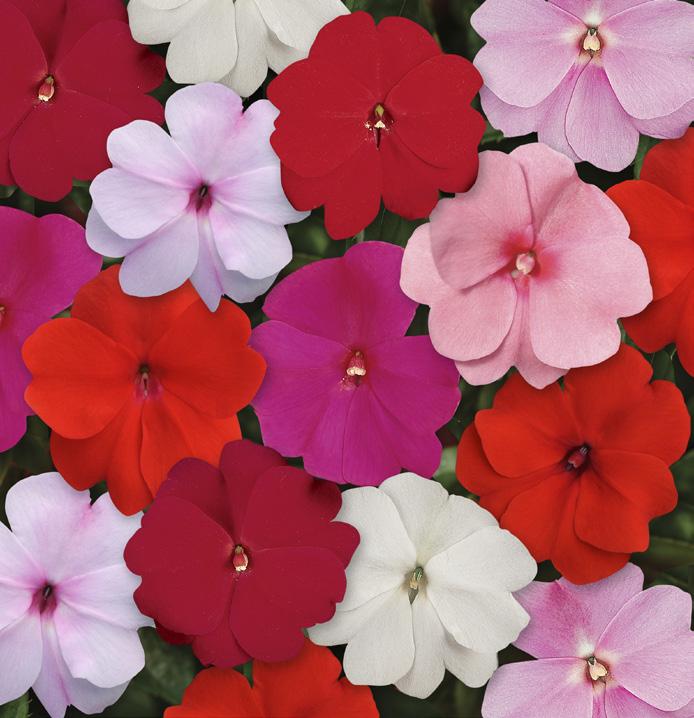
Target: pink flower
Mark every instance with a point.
(588, 75)
(532, 267)
(605, 650)
(68, 621)
(45, 262)
(204, 203)
(345, 388)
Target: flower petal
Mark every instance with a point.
(21, 654)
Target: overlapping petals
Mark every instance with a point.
(345, 388)
(577, 473)
(75, 74)
(310, 684)
(659, 207)
(607, 649)
(240, 558)
(130, 386)
(375, 112)
(588, 77)
(68, 622)
(530, 268)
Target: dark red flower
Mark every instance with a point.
(242, 557)
(660, 210)
(71, 73)
(375, 112)
(309, 685)
(577, 473)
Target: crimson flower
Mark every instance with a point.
(239, 559)
(309, 685)
(660, 210)
(375, 113)
(577, 473)
(72, 73)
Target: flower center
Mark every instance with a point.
(525, 263)
(47, 89)
(355, 370)
(145, 384)
(3, 311)
(379, 121)
(240, 559)
(201, 197)
(416, 579)
(577, 458)
(591, 41)
(596, 670)
(45, 598)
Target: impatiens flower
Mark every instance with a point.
(578, 472)
(531, 268)
(130, 386)
(429, 588)
(309, 685)
(375, 113)
(345, 388)
(71, 73)
(660, 210)
(68, 622)
(233, 41)
(239, 559)
(204, 204)
(606, 650)
(45, 262)
(588, 75)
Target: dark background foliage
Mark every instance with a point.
(169, 669)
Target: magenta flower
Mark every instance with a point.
(588, 75)
(606, 650)
(45, 262)
(530, 268)
(68, 621)
(345, 388)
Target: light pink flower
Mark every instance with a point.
(68, 622)
(606, 650)
(205, 203)
(532, 267)
(588, 75)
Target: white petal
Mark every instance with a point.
(473, 669)
(297, 22)
(165, 4)
(20, 656)
(428, 668)
(383, 650)
(102, 653)
(205, 49)
(102, 239)
(250, 70)
(385, 555)
(152, 27)
(19, 577)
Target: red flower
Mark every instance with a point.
(577, 473)
(375, 112)
(660, 210)
(130, 385)
(240, 559)
(309, 685)
(71, 73)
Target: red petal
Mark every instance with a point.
(670, 165)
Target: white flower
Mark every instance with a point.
(231, 41)
(429, 588)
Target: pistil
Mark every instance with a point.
(47, 89)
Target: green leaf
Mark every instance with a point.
(16, 709)
(645, 144)
(663, 368)
(492, 135)
(7, 191)
(683, 471)
(445, 474)
(666, 553)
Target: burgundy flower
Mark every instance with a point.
(71, 73)
(240, 559)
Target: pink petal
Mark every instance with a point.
(472, 323)
(531, 44)
(102, 239)
(586, 10)
(568, 620)
(597, 126)
(649, 61)
(20, 655)
(670, 126)
(620, 703)
(554, 687)
(420, 279)
(652, 647)
(479, 232)
(19, 578)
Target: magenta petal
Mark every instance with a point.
(556, 687)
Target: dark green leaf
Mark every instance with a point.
(16, 709)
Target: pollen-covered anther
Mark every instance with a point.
(357, 365)
(47, 89)
(240, 559)
(596, 670)
(591, 42)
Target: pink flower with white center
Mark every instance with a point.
(530, 268)
(68, 621)
(204, 203)
(588, 75)
(605, 650)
